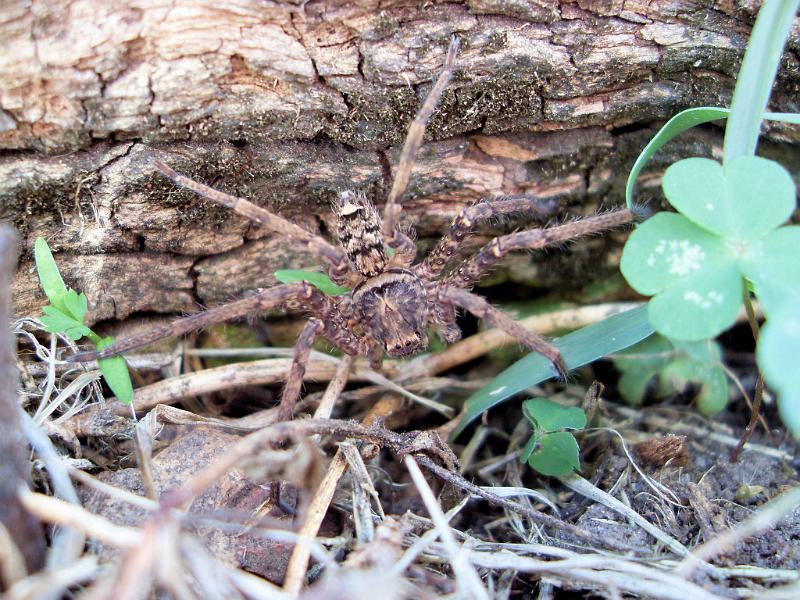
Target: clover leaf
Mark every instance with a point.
(694, 263)
(549, 450)
(551, 416)
(558, 455)
(673, 365)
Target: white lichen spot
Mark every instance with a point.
(707, 301)
(709, 206)
(651, 260)
(684, 257)
(662, 245)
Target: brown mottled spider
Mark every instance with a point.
(393, 300)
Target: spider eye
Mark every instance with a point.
(417, 335)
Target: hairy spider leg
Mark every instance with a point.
(480, 307)
(293, 296)
(472, 269)
(391, 213)
(328, 322)
(464, 222)
(294, 380)
(334, 257)
(451, 291)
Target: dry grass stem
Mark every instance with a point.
(588, 490)
(55, 511)
(468, 578)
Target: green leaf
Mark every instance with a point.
(528, 448)
(551, 416)
(558, 455)
(773, 266)
(668, 247)
(754, 80)
(779, 348)
(632, 385)
(639, 364)
(789, 410)
(319, 280)
(698, 307)
(713, 394)
(723, 200)
(693, 272)
(676, 364)
(49, 276)
(577, 349)
(76, 304)
(115, 372)
(56, 321)
(675, 126)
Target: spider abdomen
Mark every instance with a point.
(358, 227)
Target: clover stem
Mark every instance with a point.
(751, 426)
(758, 394)
(751, 314)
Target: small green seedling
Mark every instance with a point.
(66, 313)
(551, 450)
(672, 366)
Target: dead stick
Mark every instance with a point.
(14, 469)
(298, 562)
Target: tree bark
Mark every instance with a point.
(289, 103)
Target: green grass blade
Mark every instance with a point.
(49, 276)
(678, 124)
(756, 75)
(577, 349)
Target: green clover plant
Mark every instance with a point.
(695, 263)
(727, 238)
(673, 365)
(551, 450)
(66, 314)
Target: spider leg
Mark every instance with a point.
(481, 308)
(337, 262)
(472, 269)
(333, 325)
(294, 380)
(462, 225)
(416, 131)
(261, 301)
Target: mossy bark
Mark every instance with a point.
(290, 103)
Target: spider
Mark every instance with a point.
(394, 299)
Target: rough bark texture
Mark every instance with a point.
(289, 103)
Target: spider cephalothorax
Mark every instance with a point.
(394, 299)
(394, 305)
